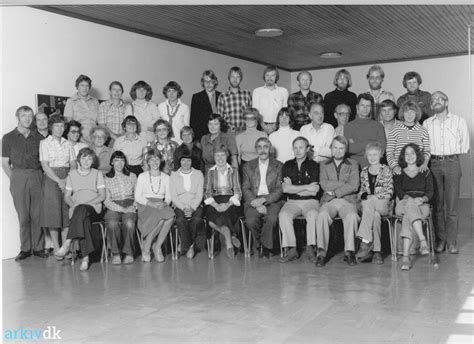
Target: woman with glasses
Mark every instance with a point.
(246, 140)
(100, 135)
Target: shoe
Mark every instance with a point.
(440, 247)
(230, 252)
(424, 248)
(158, 253)
(116, 260)
(84, 265)
(365, 250)
(60, 253)
(40, 254)
(453, 248)
(291, 255)
(310, 255)
(190, 253)
(22, 255)
(236, 242)
(49, 251)
(146, 257)
(406, 264)
(264, 252)
(320, 261)
(377, 258)
(350, 258)
(128, 259)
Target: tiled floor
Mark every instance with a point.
(247, 300)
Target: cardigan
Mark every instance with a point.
(383, 183)
(182, 198)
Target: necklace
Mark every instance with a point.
(183, 172)
(151, 185)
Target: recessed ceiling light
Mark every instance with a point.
(330, 55)
(269, 32)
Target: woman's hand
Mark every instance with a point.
(397, 170)
(62, 184)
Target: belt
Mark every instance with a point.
(234, 129)
(443, 157)
(269, 122)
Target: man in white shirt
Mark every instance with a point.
(449, 137)
(318, 133)
(269, 99)
(262, 190)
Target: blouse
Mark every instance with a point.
(111, 116)
(146, 113)
(85, 111)
(219, 184)
(57, 153)
(187, 193)
(149, 186)
(166, 150)
(282, 142)
(120, 188)
(418, 186)
(85, 187)
(383, 186)
(177, 116)
(103, 158)
(208, 146)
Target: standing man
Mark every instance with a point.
(231, 104)
(449, 137)
(363, 130)
(301, 101)
(203, 104)
(20, 161)
(340, 182)
(318, 133)
(261, 187)
(412, 82)
(341, 95)
(375, 77)
(301, 186)
(269, 99)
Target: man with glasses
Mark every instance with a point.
(342, 112)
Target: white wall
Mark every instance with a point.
(45, 52)
(450, 75)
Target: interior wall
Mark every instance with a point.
(450, 75)
(45, 52)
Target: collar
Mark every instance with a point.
(52, 139)
(238, 89)
(417, 93)
(209, 94)
(167, 101)
(121, 103)
(215, 167)
(275, 86)
(344, 161)
(76, 97)
(448, 115)
(304, 161)
(133, 139)
(301, 93)
(266, 163)
(380, 93)
(18, 132)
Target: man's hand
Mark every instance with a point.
(257, 202)
(287, 180)
(262, 209)
(423, 167)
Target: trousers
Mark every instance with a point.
(293, 208)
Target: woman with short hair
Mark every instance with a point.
(246, 140)
(186, 194)
(100, 135)
(173, 109)
(153, 198)
(187, 137)
(163, 144)
(112, 112)
(72, 133)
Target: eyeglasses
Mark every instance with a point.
(250, 119)
(74, 131)
(100, 137)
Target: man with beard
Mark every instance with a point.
(262, 192)
(412, 82)
(340, 182)
(300, 102)
(375, 77)
(232, 103)
(449, 137)
(269, 99)
(341, 95)
(204, 104)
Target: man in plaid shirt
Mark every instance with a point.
(232, 103)
(301, 101)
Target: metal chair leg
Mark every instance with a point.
(280, 235)
(210, 246)
(104, 254)
(244, 238)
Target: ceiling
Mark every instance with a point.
(362, 33)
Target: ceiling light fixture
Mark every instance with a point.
(272, 32)
(331, 55)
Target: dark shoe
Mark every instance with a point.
(377, 258)
(440, 247)
(365, 251)
(40, 254)
(453, 248)
(310, 255)
(291, 255)
(320, 261)
(22, 255)
(264, 252)
(350, 258)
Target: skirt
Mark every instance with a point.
(227, 218)
(149, 218)
(54, 212)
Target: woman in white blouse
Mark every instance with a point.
(155, 216)
(143, 109)
(282, 139)
(173, 110)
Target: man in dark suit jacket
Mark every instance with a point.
(261, 187)
(203, 104)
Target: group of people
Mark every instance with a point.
(266, 155)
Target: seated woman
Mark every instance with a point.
(222, 194)
(414, 190)
(153, 197)
(173, 109)
(57, 157)
(121, 213)
(163, 144)
(100, 135)
(376, 191)
(85, 192)
(186, 194)
(187, 136)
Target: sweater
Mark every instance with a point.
(419, 186)
(182, 198)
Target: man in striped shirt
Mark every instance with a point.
(232, 103)
(449, 137)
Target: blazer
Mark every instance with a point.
(201, 109)
(345, 185)
(383, 183)
(251, 181)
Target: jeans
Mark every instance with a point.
(121, 231)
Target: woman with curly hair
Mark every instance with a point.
(173, 109)
(163, 144)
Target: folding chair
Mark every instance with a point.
(210, 241)
(104, 251)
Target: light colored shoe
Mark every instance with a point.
(406, 264)
(158, 253)
(236, 242)
(128, 259)
(84, 265)
(146, 258)
(61, 253)
(230, 252)
(116, 260)
(190, 253)
(424, 248)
